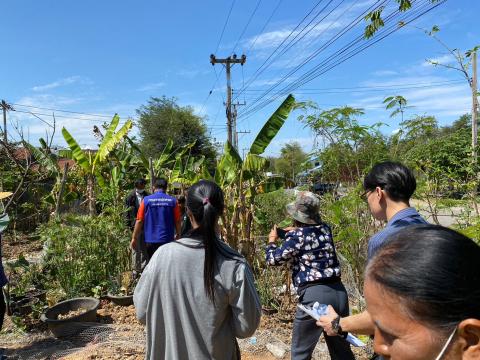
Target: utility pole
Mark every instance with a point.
(5, 107)
(234, 124)
(229, 61)
(474, 108)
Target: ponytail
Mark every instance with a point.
(205, 202)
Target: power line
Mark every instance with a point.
(259, 71)
(58, 116)
(63, 111)
(332, 40)
(345, 53)
(224, 26)
(264, 27)
(246, 25)
(340, 90)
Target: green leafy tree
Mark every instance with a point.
(291, 161)
(350, 147)
(162, 120)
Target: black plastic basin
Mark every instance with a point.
(121, 300)
(70, 326)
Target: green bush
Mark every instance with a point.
(472, 232)
(270, 210)
(352, 226)
(85, 252)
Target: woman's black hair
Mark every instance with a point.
(393, 177)
(435, 273)
(205, 203)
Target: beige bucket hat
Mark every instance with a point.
(4, 195)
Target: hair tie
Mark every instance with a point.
(206, 201)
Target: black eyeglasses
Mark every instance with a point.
(364, 196)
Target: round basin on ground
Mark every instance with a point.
(70, 325)
(120, 299)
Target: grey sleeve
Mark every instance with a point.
(245, 302)
(141, 294)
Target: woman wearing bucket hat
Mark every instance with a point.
(309, 248)
(3, 279)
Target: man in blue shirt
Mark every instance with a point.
(3, 278)
(388, 189)
(159, 216)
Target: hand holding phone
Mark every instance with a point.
(281, 233)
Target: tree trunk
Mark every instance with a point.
(91, 195)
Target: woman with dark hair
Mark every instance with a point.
(388, 189)
(197, 295)
(428, 306)
(308, 246)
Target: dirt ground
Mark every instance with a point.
(127, 340)
(29, 246)
(119, 335)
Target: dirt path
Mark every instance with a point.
(119, 336)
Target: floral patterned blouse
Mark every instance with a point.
(311, 253)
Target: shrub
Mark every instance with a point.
(270, 209)
(85, 252)
(352, 226)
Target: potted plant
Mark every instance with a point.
(121, 289)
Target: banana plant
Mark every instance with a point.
(242, 180)
(48, 162)
(92, 162)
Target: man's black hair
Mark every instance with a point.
(396, 179)
(140, 182)
(181, 199)
(161, 184)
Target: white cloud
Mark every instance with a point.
(192, 73)
(62, 82)
(151, 86)
(381, 73)
(443, 100)
(79, 125)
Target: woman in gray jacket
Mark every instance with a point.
(197, 295)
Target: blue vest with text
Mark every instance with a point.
(159, 223)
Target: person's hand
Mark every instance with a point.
(177, 236)
(273, 236)
(326, 321)
(133, 243)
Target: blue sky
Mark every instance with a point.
(102, 57)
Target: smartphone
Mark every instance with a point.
(281, 233)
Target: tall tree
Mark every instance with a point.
(291, 161)
(162, 119)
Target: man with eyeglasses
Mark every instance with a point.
(388, 189)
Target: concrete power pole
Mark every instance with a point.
(228, 64)
(234, 125)
(474, 108)
(5, 107)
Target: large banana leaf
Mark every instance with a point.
(204, 174)
(229, 166)
(46, 161)
(100, 179)
(77, 153)
(272, 126)
(253, 164)
(65, 153)
(141, 156)
(272, 184)
(177, 175)
(166, 157)
(111, 139)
